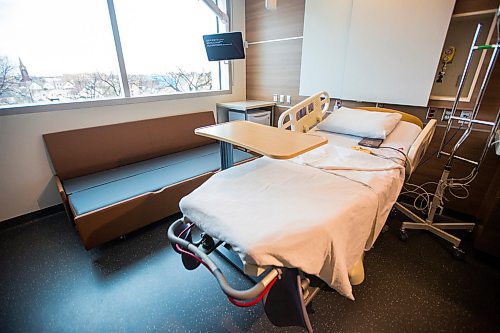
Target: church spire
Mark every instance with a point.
(24, 72)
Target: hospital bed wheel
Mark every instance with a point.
(403, 235)
(458, 253)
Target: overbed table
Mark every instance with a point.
(265, 140)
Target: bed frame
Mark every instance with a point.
(286, 292)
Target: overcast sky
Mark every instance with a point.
(54, 37)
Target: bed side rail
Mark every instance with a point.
(250, 293)
(419, 146)
(306, 114)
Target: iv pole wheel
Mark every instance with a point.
(403, 235)
(458, 253)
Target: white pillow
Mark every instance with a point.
(366, 124)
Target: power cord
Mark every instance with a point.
(405, 161)
(423, 198)
(445, 144)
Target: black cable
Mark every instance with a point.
(389, 158)
(445, 144)
(396, 149)
(399, 151)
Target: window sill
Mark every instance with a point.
(36, 108)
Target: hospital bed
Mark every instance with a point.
(314, 215)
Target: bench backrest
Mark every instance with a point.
(83, 151)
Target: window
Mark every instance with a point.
(174, 60)
(56, 51)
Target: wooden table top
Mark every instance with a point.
(266, 140)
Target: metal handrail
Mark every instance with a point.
(247, 294)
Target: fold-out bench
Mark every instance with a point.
(117, 178)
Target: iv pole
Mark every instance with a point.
(437, 202)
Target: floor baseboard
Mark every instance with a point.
(26, 218)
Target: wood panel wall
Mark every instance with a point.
(274, 67)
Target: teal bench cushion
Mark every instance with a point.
(126, 186)
(99, 178)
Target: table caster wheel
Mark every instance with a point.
(403, 235)
(458, 253)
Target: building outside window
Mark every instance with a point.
(59, 51)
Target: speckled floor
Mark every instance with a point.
(50, 283)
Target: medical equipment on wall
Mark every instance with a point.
(447, 58)
(449, 184)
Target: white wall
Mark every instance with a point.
(26, 182)
(373, 50)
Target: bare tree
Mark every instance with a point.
(90, 85)
(7, 78)
(172, 80)
(197, 81)
(25, 92)
(110, 83)
(192, 81)
(95, 85)
(138, 81)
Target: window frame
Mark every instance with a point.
(8, 110)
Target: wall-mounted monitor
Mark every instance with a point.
(224, 46)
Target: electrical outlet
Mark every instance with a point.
(446, 115)
(288, 99)
(337, 104)
(282, 99)
(431, 113)
(275, 98)
(465, 114)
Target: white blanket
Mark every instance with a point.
(314, 213)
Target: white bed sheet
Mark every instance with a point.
(313, 213)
